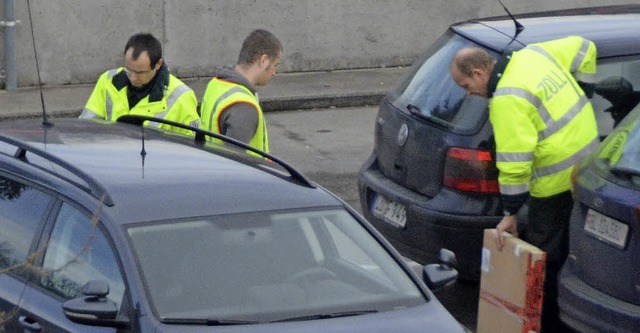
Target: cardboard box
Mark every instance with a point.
(510, 286)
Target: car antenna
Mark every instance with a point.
(519, 27)
(45, 121)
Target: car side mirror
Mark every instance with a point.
(94, 308)
(437, 276)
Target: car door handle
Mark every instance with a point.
(29, 324)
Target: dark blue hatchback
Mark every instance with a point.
(431, 181)
(600, 281)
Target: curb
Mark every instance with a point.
(321, 102)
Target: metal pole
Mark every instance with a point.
(10, 44)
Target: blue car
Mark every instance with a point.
(116, 227)
(600, 281)
(431, 181)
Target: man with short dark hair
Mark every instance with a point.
(144, 87)
(230, 103)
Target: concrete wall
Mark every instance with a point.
(77, 40)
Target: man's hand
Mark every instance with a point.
(508, 224)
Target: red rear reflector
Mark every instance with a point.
(471, 170)
(469, 154)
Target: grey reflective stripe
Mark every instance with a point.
(89, 114)
(154, 124)
(222, 97)
(112, 73)
(580, 57)
(585, 77)
(567, 163)
(108, 107)
(546, 54)
(175, 95)
(554, 127)
(514, 157)
(528, 96)
(543, 52)
(514, 189)
(109, 103)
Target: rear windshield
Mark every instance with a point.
(429, 92)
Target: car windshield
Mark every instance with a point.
(268, 266)
(430, 92)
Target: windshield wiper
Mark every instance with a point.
(207, 322)
(328, 315)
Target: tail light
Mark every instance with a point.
(471, 170)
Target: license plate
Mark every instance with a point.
(389, 211)
(606, 229)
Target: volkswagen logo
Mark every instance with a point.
(598, 202)
(403, 133)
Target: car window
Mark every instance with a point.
(430, 92)
(617, 91)
(618, 157)
(76, 253)
(268, 266)
(22, 208)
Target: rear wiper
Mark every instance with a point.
(328, 315)
(207, 322)
(414, 110)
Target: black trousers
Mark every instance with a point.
(548, 229)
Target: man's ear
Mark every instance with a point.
(159, 64)
(477, 71)
(263, 62)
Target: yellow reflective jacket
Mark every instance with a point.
(171, 100)
(221, 94)
(542, 120)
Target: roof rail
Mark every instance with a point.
(92, 187)
(200, 137)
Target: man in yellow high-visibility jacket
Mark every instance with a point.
(145, 87)
(543, 124)
(230, 103)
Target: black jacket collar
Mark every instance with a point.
(496, 74)
(159, 83)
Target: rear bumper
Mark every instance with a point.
(589, 310)
(428, 227)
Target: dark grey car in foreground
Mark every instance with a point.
(431, 181)
(115, 227)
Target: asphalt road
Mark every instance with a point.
(329, 146)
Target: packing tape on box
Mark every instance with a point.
(486, 257)
(530, 313)
(486, 260)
